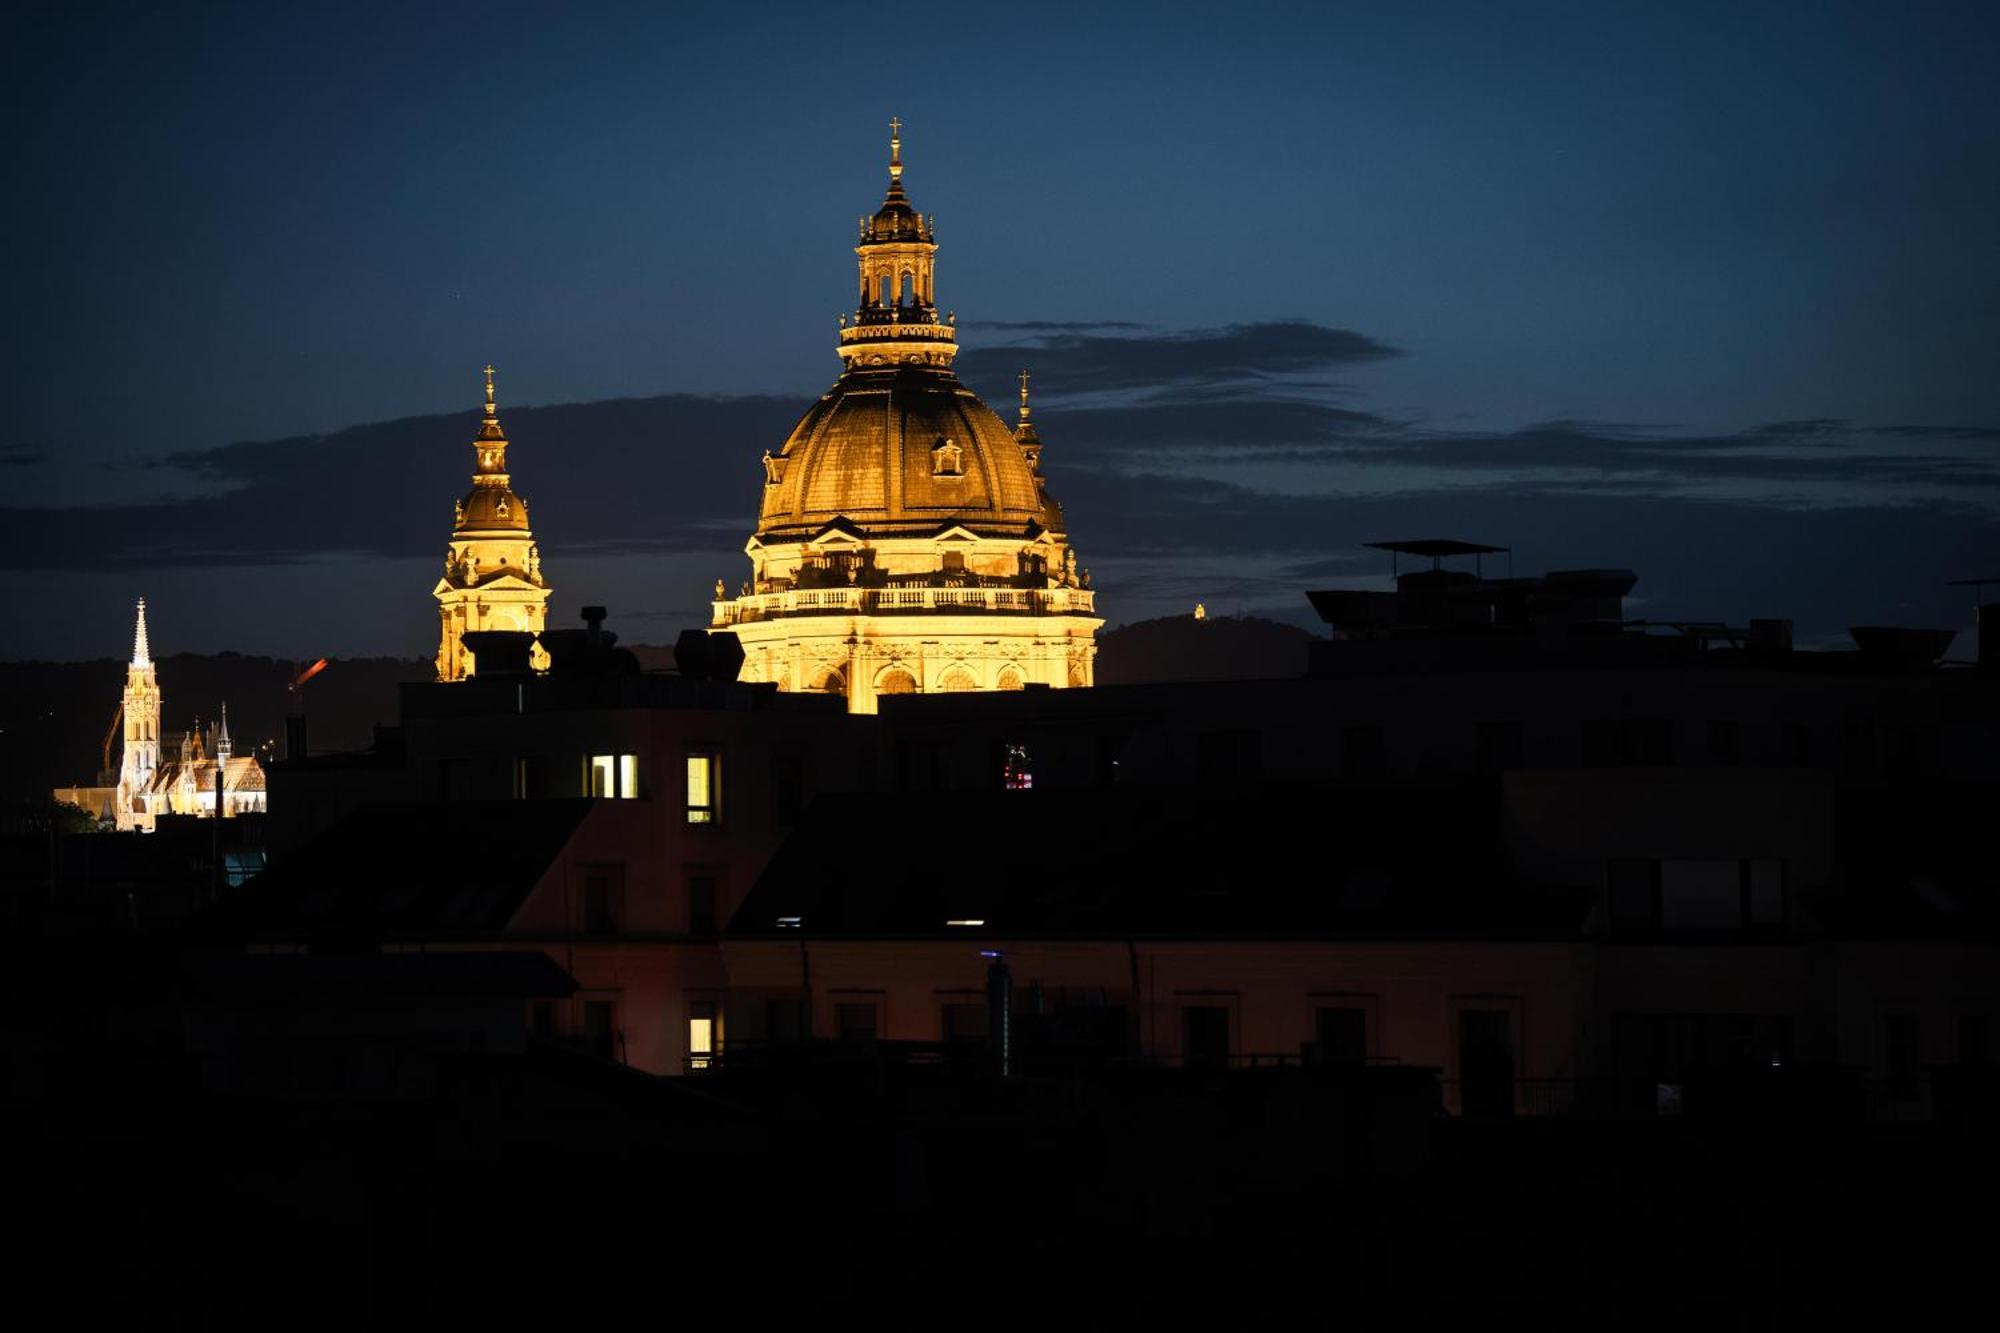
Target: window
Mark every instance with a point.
(601, 900)
(701, 1033)
(1633, 888)
(1725, 743)
(1701, 895)
(1899, 1055)
(1646, 894)
(600, 1032)
(1797, 743)
(952, 562)
(1017, 768)
(1224, 757)
(612, 776)
(702, 894)
(854, 1020)
(784, 1020)
(963, 1022)
(704, 788)
(1342, 1034)
(1364, 751)
(1611, 742)
(531, 778)
(1205, 1036)
(1763, 892)
(1486, 1063)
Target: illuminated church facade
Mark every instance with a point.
(154, 780)
(492, 568)
(907, 541)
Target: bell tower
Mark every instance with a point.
(492, 567)
(896, 322)
(142, 733)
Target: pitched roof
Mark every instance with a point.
(426, 869)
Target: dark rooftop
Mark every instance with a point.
(1275, 862)
(423, 869)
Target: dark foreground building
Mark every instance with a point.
(1517, 961)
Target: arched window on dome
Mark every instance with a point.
(1010, 677)
(1078, 678)
(829, 681)
(957, 681)
(896, 681)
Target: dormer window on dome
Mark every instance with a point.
(947, 459)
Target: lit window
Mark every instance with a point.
(703, 788)
(614, 775)
(701, 1033)
(1017, 772)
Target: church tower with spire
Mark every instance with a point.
(492, 567)
(141, 706)
(906, 542)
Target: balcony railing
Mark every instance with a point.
(905, 601)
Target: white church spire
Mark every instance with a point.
(142, 652)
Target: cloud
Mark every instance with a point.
(1048, 325)
(1825, 568)
(21, 458)
(621, 476)
(1970, 433)
(1073, 362)
(1252, 475)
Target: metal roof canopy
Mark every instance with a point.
(1437, 548)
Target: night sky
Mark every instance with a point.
(1707, 291)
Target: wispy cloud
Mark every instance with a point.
(1048, 325)
(1073, 362)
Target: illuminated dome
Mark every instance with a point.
(898, 446)
(902, 450)
(491, 505)
(492, 509)
(906, 542)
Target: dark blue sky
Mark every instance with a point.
(1539, 275)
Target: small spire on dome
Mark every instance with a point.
(142, 652)
(895, 149)
(1024, 398)
(492, 412)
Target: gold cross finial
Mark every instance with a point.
(489, 389)
(895, 147)
(1024, 395)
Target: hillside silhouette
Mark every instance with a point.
(54, 715)
(1172, 648)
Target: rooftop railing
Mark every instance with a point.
(904, 601)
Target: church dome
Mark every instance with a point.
(491, 505)
(901, 450)
(898, 446)
(492, 508)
